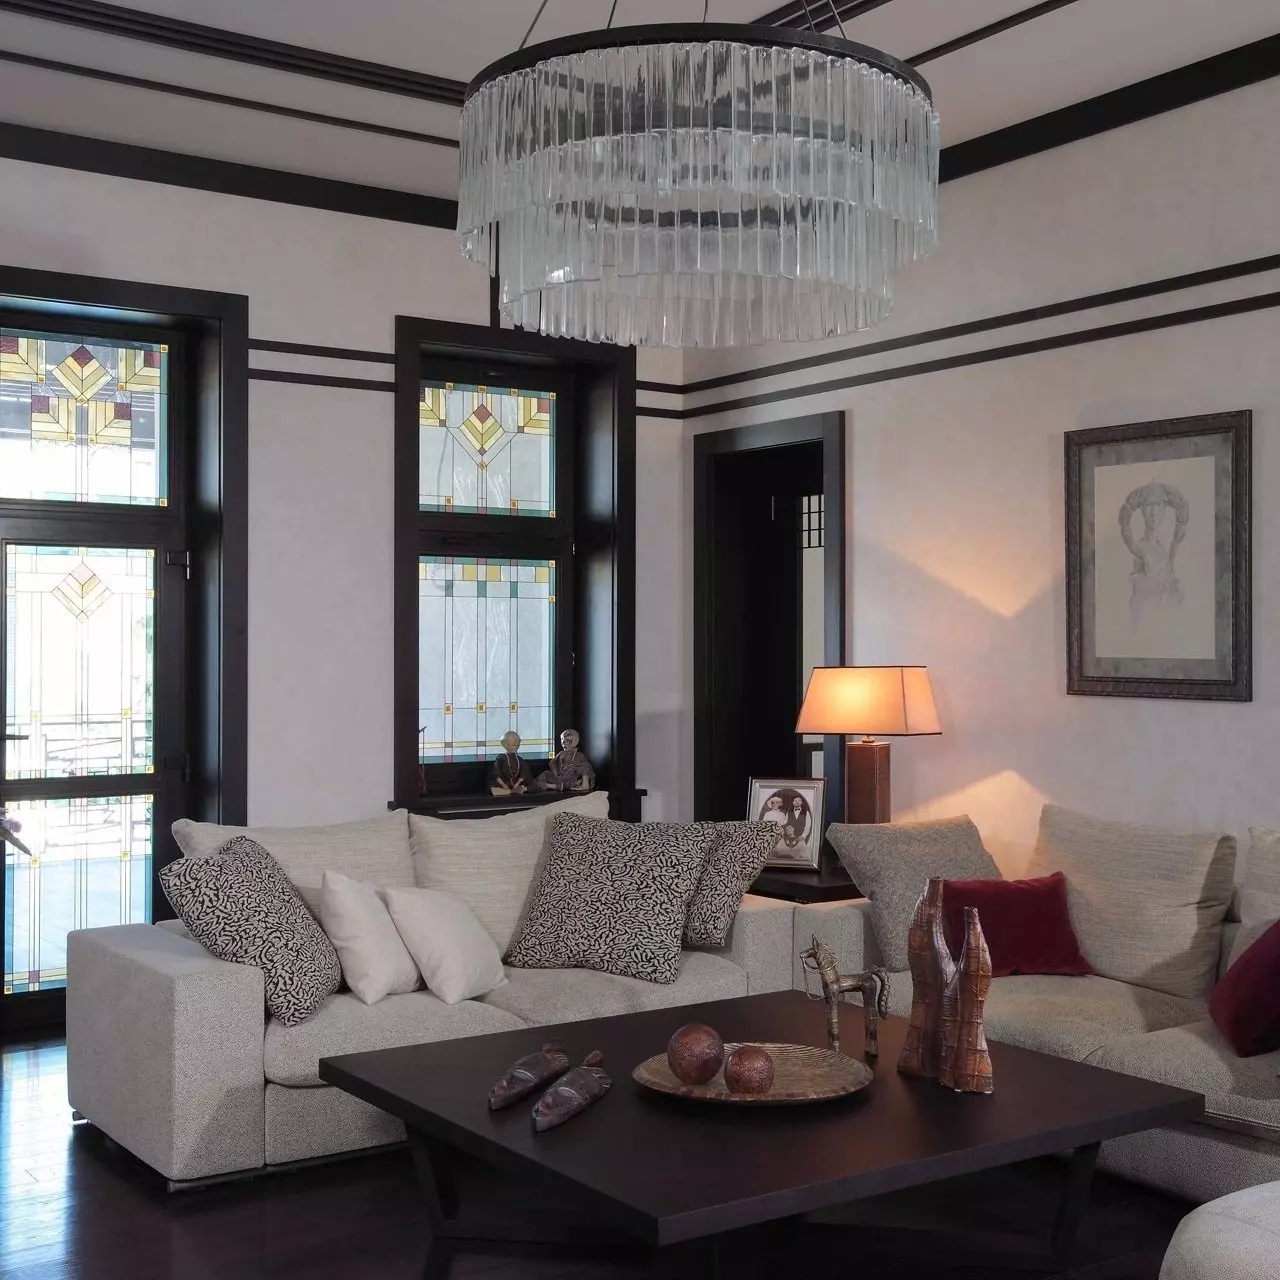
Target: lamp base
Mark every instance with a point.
(866, 781)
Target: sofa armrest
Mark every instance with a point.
(845, 927)
(760, 943)
(164, 1049)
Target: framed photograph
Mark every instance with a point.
(1158, 576)
(796, 806)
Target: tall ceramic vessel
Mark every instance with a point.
(932, 969)
(966, 1061)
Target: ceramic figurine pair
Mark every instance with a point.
(571, 1091)
(569, 770)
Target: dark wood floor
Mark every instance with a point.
(73, 1205)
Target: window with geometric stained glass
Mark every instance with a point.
(486, 656)
(83, 419)
(79, 628)
(89, 866)
(486, 450)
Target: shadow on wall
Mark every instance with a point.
(1012, 737)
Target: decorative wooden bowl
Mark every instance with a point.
(801, 1074)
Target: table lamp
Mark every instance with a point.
(888, 701)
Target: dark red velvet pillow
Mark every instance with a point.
(1025, 922)
(1245, 1005)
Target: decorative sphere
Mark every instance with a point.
(695, 1053)
(749, 1069)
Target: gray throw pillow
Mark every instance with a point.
(612, 896)
(240, 906)
(738, 853)
(892, 862)
(1147, 903)
(1260, 897)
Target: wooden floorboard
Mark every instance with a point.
(73, 1206)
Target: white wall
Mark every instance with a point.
(320, 461)
(955, 524)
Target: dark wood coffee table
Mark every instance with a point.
(690, 1181)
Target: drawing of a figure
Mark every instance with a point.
(1154, 546)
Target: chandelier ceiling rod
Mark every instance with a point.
(534, 23)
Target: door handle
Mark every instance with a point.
(16, 737)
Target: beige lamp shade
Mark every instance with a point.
(874, 701)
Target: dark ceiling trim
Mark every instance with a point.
(796, 15)
(147, 164)
(222, 99)
(1101, 333)
(1029, 315)
(194, 37)
(1234, 69)
(991, 29)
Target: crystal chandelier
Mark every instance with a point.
(710, 185)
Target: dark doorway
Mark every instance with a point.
(761, 497)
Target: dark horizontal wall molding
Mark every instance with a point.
(322, 353)
(1029, 315)
(195, 37)
(319, 380)
(1235, 69)
(222, 99)
(1102, 333)
(148, 164)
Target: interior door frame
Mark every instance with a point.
(829, 430)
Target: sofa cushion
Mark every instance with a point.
(1027, 924)
(1235, 1237)
(376, 849)
(1245, 1005)
(1260, 892)
(612, 896)
(490, 863)
(738, 853)
(241, 908)
(1067, 1017)
(544, 996)
(891, 862)
(345, 1024)
(1147, 904)
(1241, 1094)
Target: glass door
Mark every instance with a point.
(92, 643)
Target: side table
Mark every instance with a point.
(830, 883)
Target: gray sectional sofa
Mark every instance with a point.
(169, 1053)
(1180, 894)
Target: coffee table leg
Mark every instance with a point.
(441, 1195)
(1075, 1198)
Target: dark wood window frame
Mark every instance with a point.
(595, 522)
(207, 518)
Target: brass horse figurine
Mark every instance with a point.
(873, 986)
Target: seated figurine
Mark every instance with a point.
(569, 770)
(509, 775)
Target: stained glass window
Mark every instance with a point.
(82, 420)
(90, 866)
(486, 450)
(486, 645)
(78, 660)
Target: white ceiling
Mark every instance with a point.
(1082, 49)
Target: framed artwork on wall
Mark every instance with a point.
(796, 806)
(1158, 572)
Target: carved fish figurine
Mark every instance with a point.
(530, 1074)
(572, 1094)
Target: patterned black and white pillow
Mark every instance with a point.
(241, 907)
(738, 853)
(613, 896)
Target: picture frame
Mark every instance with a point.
(798, 807)
(1158, 572)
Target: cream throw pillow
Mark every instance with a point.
(458, 959)
(491, 863)
(375, 962)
